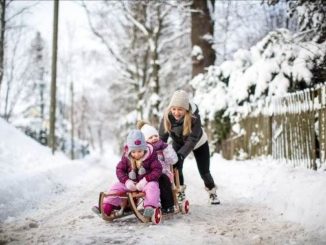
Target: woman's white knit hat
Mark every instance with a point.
(180, 98)
(148, 131)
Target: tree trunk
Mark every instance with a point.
(201, 25)
(52, 141)
(100, 139)
(154, 118)
(2, 37)
(72, 147)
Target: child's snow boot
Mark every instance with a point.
(169, 210)
(148, 212)
(213, 196)
(108, 208)
(182, 194)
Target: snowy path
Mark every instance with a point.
(68, 220)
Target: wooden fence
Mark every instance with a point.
(290, 128)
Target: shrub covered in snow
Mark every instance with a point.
(279, 63)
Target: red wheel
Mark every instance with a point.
(185, 206)
(157, 216)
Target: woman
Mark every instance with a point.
(181, 122)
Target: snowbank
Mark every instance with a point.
(30, 174)
(299, 194)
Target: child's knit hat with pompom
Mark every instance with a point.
(136, 141)
(146, 129)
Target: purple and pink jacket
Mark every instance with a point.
(151, 164)
(167, 157)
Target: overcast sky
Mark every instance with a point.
(74, 35)
(71, 15)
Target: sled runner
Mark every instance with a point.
(184, 205)
(132, 203)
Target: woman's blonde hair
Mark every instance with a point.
(186, 122)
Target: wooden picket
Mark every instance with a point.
(291, 128)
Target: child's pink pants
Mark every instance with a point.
(151, 189)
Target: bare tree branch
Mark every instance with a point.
(173, 38)
(21, 11)
(103, 40)
(139, 25)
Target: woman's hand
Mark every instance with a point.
(179, 162)
(180, 158)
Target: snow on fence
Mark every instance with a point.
(290, 128)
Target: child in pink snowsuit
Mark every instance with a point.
(165, 152)
(167, 157)
(138, 169)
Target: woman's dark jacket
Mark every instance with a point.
(183, 145)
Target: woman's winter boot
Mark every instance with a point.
(213, 196)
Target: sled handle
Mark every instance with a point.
(176, 178)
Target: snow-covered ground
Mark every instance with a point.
(46, 199)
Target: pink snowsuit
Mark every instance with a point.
(153, 171)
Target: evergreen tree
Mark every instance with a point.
(38, 69)
(311, 18)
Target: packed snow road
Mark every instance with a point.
(67, 219)
(46, 199)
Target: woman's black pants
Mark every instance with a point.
(202, 157)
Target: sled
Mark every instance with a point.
(132, 203)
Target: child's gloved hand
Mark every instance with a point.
(130, 185)
(141, 184)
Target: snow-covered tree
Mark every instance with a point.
(241, 24)
(311, 18)
(147, 41)
(27, 89)
(285, 60)
(39, 68)
(12, 30)
(277, 64)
